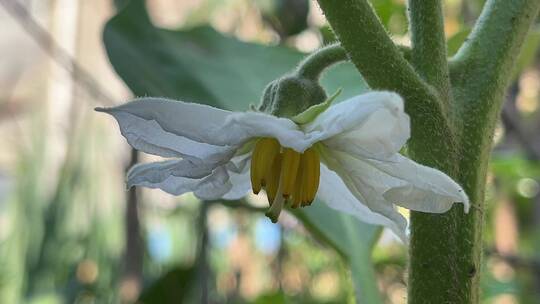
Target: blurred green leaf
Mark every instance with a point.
(528, 51)
(392, 14)
(455, 41)
(353, 239)
(202, 65)
(272, 298)
(173, 287)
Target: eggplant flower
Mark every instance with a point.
(348, 156)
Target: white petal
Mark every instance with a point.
(239, 174)
(336, 195)
(191, 120)
(201, 123)
(255, 124)
(425, 189)
(157, 172)
(214, 186)
(372, 124)
(148, 136)
(208, 180)
(364, 182)
(210, 187)
(403, 182)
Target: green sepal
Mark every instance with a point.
(312, 112)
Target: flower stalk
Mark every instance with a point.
(314, 64)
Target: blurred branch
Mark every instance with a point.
(46, 42)
(511, 121)
(133, 250)
(202, 261)
(516, 260)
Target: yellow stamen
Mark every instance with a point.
(289, 170)
(272, 178)
(312, 175)
(299, 185)
(275, 209)
(264, 153)
(286, 175)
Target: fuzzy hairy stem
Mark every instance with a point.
(315, 63)
(446, 269)
(429, 44)
(313, 66)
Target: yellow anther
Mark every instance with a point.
(289, 171)
(272, 178)
(312, 171)
(264, 153)
(299, 185)
(286, 175)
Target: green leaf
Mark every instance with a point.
(173, 287)
(353, 239)
(528, 51)
(204, 66)
(201, 65)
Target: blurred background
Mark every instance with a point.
(71, 233)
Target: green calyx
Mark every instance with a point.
(291, 95)
(312, 112)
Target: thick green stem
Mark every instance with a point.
(429, 44)
(446, 269)
(446, 248)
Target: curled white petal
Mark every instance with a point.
(336, 195)
(239, 174)
(425, 189)
(208, 180)
(401, 181)
(254, 124)
(191, 120)
(372, 124)
(157, 172)
(210, 187)
(148, 136)
(151, 125)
